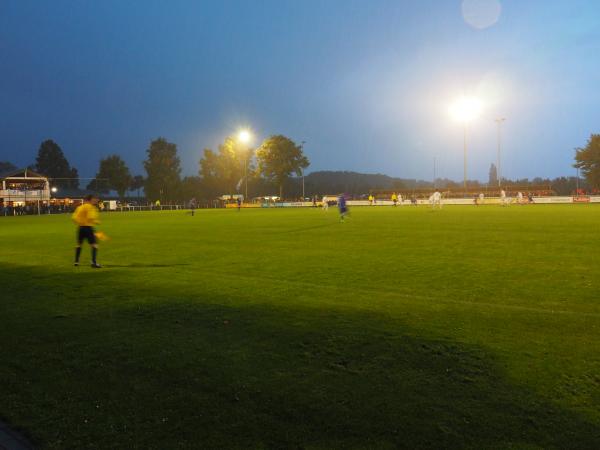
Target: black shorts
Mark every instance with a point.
(86, 233)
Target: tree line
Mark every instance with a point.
(274, 167)
(264, 170)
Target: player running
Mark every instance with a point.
(86, 216)
(325, 203)
(395, 199)
(342, 207)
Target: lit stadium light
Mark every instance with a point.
(466, 109)
(244, 136)
(54, 189)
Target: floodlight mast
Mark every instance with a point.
(465, 157)
(465, 110)
(499, 121)
(244, 136)
(302, 168)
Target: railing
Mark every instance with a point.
(21, 196)
(146, 208)
(34, 209)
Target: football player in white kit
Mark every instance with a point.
(436, 200)
(504, 200)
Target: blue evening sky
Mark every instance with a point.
(366, 83)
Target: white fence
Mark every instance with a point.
(12, 195)
(486, 201)
(145, 208)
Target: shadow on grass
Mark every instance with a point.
(143, 266)
(196, 373)
(299, 230)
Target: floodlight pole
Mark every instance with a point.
(246, 177)
(465, 159)
(302, 149)
(498, 172)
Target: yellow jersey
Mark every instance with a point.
(86, 215)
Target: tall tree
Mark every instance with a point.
(6, 167)
(587, 160)
(52, 163)
(163, 168)
(493, 178)
(279, 157)
(222, 171)
(116, 173)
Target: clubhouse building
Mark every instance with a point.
(24, 187)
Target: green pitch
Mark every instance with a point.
(401, 328)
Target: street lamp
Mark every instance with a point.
(245, 136)
(465, 110)
(499, 121)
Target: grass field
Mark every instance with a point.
(401, 328)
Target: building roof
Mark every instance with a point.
(22, 173)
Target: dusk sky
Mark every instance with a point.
(366, 84)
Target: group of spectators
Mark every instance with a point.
(10, 209)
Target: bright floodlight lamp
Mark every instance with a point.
(244, 136)
(54, 189)
(466, 109)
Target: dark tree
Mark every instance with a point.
(278, 158)
(114, 174)
(587, 160)
(222, 171)
(52, 163)
(163, 168)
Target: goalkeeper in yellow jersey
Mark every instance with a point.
(86, 216)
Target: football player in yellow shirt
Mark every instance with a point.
(86, 216)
